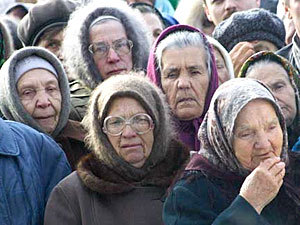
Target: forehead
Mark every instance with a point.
(40, 75)
(184, 56)
(107, 30)
(268, 71)
(121, 106)
(152, 19)
(246, 115)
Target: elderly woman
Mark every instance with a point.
(34, 91)
(242, 173)
(102, 39)
(153, 18)
(183, 66)
(223, 61)
(134, 158)
(282, 79)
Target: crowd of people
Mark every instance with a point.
(173, 112)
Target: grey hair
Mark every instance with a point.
(261, 64)
(183, 39)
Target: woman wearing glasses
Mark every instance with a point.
(134, 158)
(102, 39)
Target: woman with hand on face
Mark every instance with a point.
(242, 173)
(283, 80)
(133, 161)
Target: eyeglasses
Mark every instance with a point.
(114, 125)
(121, 47)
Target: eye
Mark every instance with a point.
(245, 135)
(272, 126)
(28, 92)
(220, 66)
(195, 72)
(278, 87)
(52, 89)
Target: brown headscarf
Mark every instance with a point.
(153, 101)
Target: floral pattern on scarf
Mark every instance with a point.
(216, 131)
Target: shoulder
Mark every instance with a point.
(285, 51)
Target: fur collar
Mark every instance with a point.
(98, 177)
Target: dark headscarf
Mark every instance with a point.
(187, 129)
(294, 129)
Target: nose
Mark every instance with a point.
(128, 132)
(262, 141)
(42, 99)
(184, 82)
(112, 56)
(230, 5)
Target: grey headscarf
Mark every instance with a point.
(153, 101)
(78, 59)
(216, 132)
(10, 103)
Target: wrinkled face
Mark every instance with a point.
(185, 81)
(109, 32)
(257, 134)
(294, 13)
(40, 95)
(264, 46)
(276, 78)
(154, 25)
(53, 44)
(223, 73)
(132, 147)
(219, 10)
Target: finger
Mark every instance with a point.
(277, 168)
(281, 173)
(269, 163)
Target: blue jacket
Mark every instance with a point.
(31, 164)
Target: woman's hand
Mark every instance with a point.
(263, 183)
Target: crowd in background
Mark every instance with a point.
(149, 112)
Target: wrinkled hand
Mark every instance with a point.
(263, 183)
(239, 54)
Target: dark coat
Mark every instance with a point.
(95, 194)
(71, 141)
(214, 199)
(80, 95)
(287, 52)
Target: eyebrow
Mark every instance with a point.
(30, 85)
(244, 127)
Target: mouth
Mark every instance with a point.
(115, 72)
(185, 100)
(43, 117)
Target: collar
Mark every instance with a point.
(8, 144)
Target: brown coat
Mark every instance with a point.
(95, 194)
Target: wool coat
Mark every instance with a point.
(95, 194)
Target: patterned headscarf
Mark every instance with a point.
(2, 50)
(216, 131)
(294, 129)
